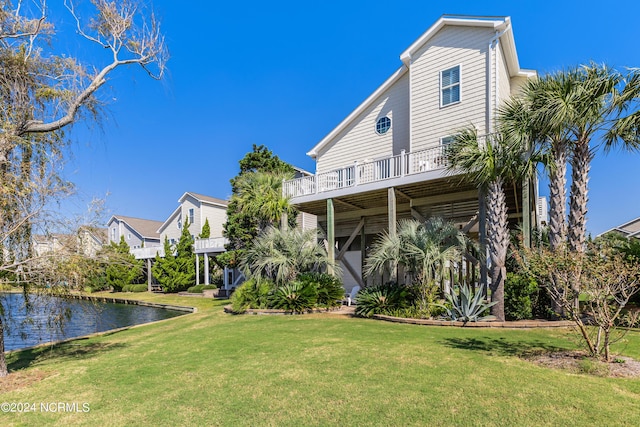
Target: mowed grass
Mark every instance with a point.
(210, 368)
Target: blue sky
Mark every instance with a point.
(284, 74)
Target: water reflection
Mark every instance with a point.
(53, 319)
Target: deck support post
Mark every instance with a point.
(206, 269)
(197, 269)
(392, 213)
(149, 274)
(482, 232)
(331, 235)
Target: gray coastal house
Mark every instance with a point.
(385, 161)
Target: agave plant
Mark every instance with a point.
(467, 307)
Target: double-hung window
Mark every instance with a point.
(450, 86)
(191, 216)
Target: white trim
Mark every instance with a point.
(459, 85)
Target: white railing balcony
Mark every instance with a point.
(368, 171)
(212, 243)
(145, 253)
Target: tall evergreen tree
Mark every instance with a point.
(123, 268)
(177, 270)
(206, 230)
(242, 227)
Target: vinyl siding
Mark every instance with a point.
(217, 217)
(452, 46)
(171, 231)
(359, 141)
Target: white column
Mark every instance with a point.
(206, 269)
(197, 269)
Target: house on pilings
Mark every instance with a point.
(385, 161)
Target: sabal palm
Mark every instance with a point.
(490, 163)
(582, 102)
(260, 196)
(520, 122)
(281, 255)
(423, 249)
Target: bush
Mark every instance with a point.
(518, 292)
(382, 299)
(252, 294)
(329, 289)
(197, 289)
(296, 297)
(138, 288)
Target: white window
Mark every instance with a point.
(113, 234)
(180, 222)
(450, 86)
(128, 236)
(191, 216)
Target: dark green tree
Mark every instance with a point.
(122, 267)
(206, 230)
(177, 270)
(242, 227)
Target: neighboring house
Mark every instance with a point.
(194, 209)
(385, 161)
(628, 229)
(92, 239)
(137, 232)
(88, 241)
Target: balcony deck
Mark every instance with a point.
(210, 245)
(402, 169)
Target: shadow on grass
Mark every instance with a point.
(76, 349)
(501, 346)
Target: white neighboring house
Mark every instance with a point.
(88, 241)
(386, 160)
(194, 209)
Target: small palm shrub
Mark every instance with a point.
(466, 307)
(329, 289)
(382, 299)
(252, 294)
(296, 297)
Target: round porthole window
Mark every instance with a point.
(383, 125)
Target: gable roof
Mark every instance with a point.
(204, 199)
(629, 229)
(146, 228)
(502, 26)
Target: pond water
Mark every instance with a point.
(26, 328)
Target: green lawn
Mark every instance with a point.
(211, 368)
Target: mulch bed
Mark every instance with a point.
(578, 362)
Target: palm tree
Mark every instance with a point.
(281, 255)
(520, 120)
(423, 249)
(260, 196)
(583, 102)
(491, 163)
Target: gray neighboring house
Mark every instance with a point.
(137, 232)
(628, 229)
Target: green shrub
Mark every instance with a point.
(251, 294)
(296, 297)
(126, 288)
(197, 289)
(329, 289)
(519, 292)
(138, 288)
(382, 299)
